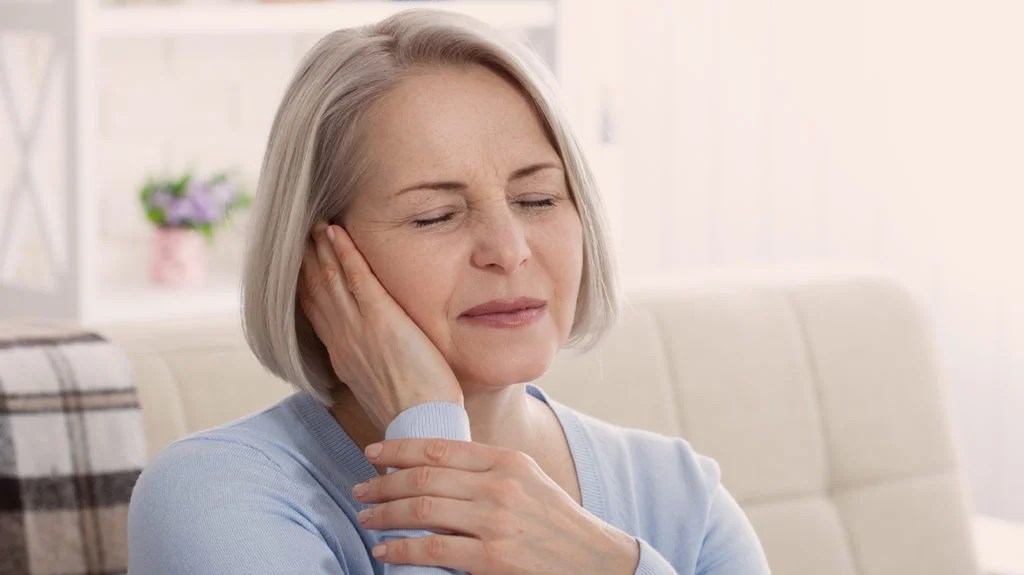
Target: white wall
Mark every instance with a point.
(886, 134)
(167, 104)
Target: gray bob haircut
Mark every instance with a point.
(314, 163)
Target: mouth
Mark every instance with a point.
(501, 307)
(506, 314)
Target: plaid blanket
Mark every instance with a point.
(71, 447)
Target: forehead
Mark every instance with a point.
(449, 122)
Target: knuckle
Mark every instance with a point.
(506, 492)
(354, 281)
(398, 549)
(435, 547)
(400, 450)
(437, 450)
(421, 509)
(519, 460)
(331, 275)
(321, 287)
(420, 478)
(376, 487)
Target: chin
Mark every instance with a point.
(503, 368)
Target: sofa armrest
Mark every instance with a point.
(1000, 545)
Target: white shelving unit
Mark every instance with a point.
(76, 288)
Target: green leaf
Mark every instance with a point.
(242, 200)
(181, 185)
(155, 215)
(207, 231)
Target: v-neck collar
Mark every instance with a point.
(343, 450)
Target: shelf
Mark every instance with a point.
(303, 17)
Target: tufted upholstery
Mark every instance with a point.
(820, 399)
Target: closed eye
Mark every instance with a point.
(430, 222)
(539, 203)
(536, 204)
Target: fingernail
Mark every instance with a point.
(365, 514)
(379, 550)
(373, 450)
(319, 227)
(330, 232)
(360, 490)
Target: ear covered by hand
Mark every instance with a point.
(376, 349)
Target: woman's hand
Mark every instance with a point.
(496, 512)
(375, 348)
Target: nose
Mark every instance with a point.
(500, 242)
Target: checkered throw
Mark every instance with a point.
(71, 447)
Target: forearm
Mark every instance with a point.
(442, 419)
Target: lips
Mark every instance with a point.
(504, 306)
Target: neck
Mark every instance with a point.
(503, 417)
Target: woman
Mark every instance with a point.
(466, 247)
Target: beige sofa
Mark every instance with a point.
(820, 399)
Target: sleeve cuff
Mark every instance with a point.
(651, 562)
(442, 419)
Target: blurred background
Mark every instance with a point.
(729, 138)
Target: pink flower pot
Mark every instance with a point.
(179, 257)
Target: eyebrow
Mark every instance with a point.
(456, 186)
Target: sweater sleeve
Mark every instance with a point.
(257, 527)
(442, 419)
(729, 545)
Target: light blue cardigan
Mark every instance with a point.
(271, 493)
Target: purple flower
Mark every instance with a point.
(205, 209)
(179, 212)
(223, 193)
(202, 203)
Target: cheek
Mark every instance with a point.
(417, 277)
(563, 262)
(566, 244)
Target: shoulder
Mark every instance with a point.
(222, 500)
(209, 453)
(273, 438)
(255, 455)
(206, 472)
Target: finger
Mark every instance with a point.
(416, 481)
(362, 283)
(321, 325)
(427, 512)
(312, 301)
(453, 551)
(310, 270)
(437, 452)
(332, 277)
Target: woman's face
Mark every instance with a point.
(499, 236)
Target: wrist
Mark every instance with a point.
(412, 400)
(631, 554)
(625, 555)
